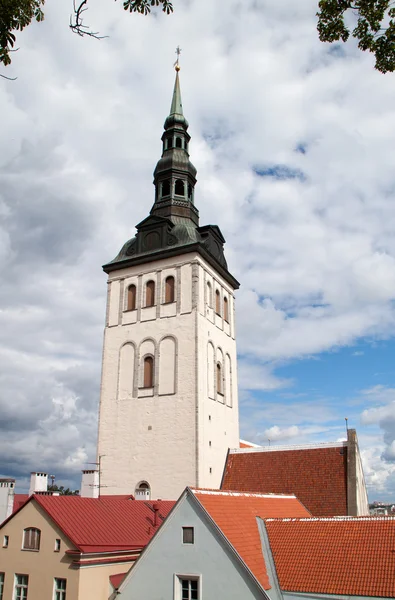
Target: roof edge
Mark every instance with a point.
(323, 445)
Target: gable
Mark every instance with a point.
(210, 558)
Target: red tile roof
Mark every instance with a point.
(116, 580)
(316, 475)
(244, 444)
(19, 499)
(352, 556)
(108, 524)
(235, 514)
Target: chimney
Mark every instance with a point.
(90, 484)
(155, 506)
(38, 483)
(7, 491)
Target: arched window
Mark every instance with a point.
(209, 295)
(131, 297)
(189, 191)
(166, 187)
(150, 293)
(142, 491)
(31, 538)
(178, 142)
(219, 379)
(217, 302)
(179, 188)
(169, 142)
(226, 310)
(169, 289)
(148, 372)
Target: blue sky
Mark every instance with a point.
(293, 143)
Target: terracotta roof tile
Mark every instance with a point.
(116, 580)
(235, 514)
(317, 476)
(352, 556)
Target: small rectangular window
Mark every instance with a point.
(6, 539)
(188, 535)
(1, 585)
(189, 589)
(57, 545)
(21, 587)
(60, 589)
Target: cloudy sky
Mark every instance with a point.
(293, 142)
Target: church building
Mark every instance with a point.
(169, 406)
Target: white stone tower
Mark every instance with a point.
(168, 406)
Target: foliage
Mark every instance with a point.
(62, 490)
(375, 27)
(144, 6)
(15, 15)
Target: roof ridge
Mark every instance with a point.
(235, 493)
(341, 444)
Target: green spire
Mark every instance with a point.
(176, 103)
(176, 116)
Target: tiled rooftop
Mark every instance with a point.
(235, 514)
(317, 475)
(350, 556)
(111, 523)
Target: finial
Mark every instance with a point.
(176, 64)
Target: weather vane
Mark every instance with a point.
(176, 64)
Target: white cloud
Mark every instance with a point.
(315, 253)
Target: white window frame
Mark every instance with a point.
(177, 584)
(20, 587)
(58, 590)
(2, 578)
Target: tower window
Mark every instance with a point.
(142, 491)
(169, 289)
(148, 372)
(178, 142)
(219, 379)
(166, 187)
(217, 302)
(226, 310)
(189, 191)
(150, 293)
(209, 295)
(180, 187)
(131, 297)
(169, 142)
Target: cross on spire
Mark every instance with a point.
(176, 64)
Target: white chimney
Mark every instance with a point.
(38, 483)
(7, 491)
(90, 484)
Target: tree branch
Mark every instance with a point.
(78, 26)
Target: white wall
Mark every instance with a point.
(162, 434)
(154, 576)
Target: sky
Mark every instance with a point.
(293, 143)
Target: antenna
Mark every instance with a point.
(98, 464)
(346, 420)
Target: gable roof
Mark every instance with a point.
(235, 514)
(317, 475)
(105, 524)
(349, 556)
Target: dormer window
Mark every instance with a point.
(179, 188)
(31, 539)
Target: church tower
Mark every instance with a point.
(168, 406)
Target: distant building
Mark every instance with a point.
(68, 547)
(327, 478)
